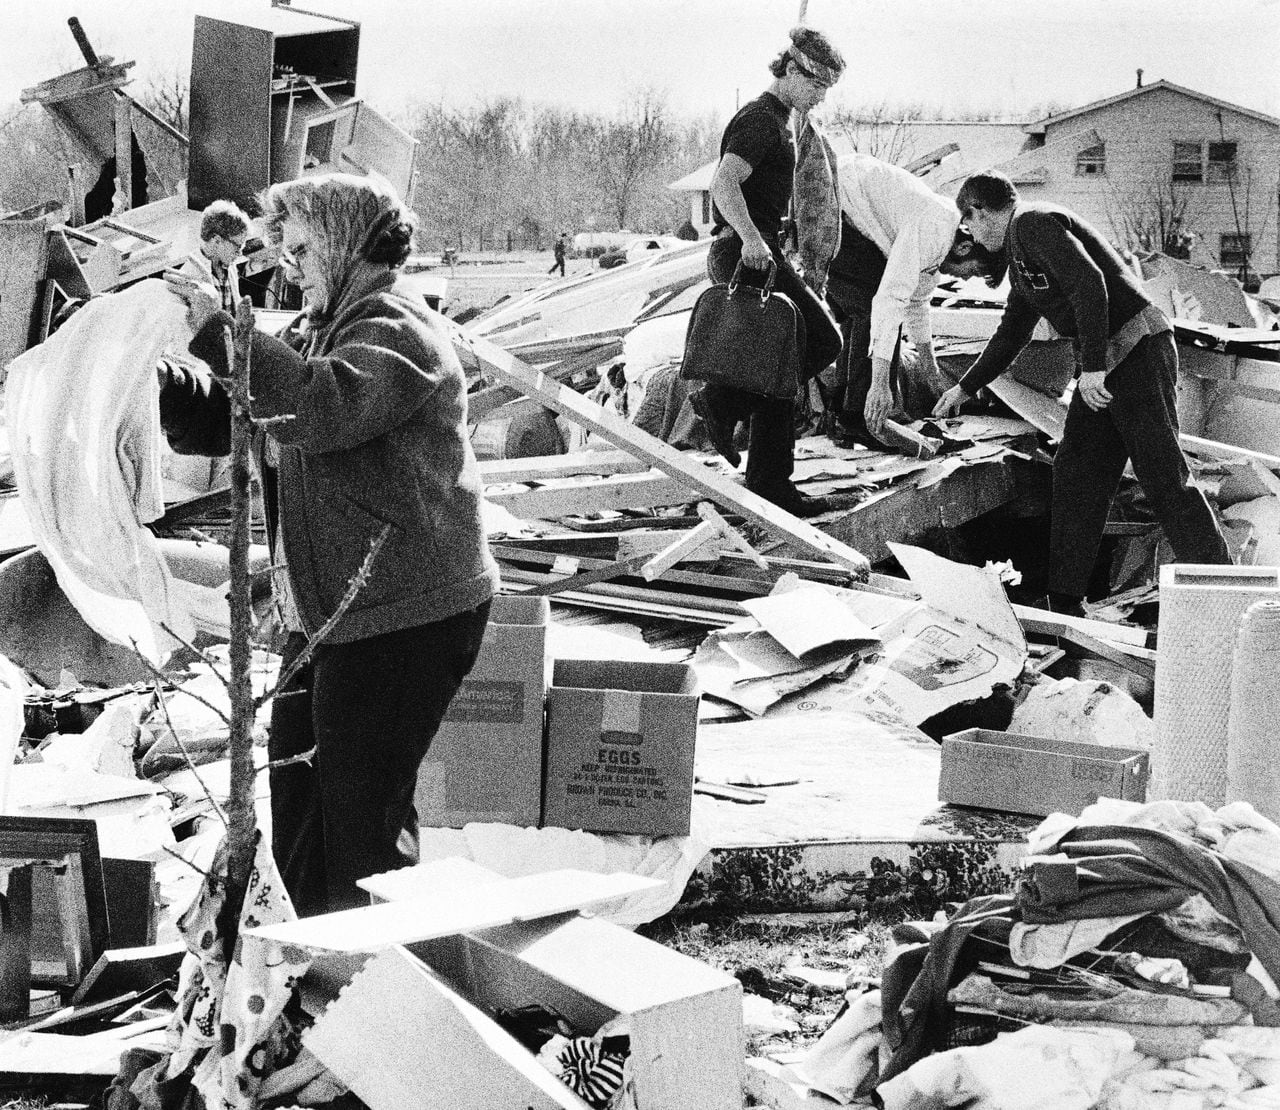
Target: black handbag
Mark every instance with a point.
(747, 337)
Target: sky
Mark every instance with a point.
(706, 56)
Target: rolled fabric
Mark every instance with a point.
(1253, 743)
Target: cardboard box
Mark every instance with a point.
(485, 763)
(620, 742)
(683, 1017)
(1036, 775)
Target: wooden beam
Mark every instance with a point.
(620, 569)
(1194, 445)
(124, 156)
(540, 467)
(696, 475)
(622, 491)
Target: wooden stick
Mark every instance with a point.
(685, 546)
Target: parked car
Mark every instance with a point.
(639, 247)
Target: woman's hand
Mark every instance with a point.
(201, 299)
(1093, 390)
(950, 401)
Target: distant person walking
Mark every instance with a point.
(1061, 269)
(560, 250)
(752, 189)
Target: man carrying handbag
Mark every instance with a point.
(751, 191)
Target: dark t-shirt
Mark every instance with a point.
(759, 134)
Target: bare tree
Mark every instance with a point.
(882, 130)
(630, 148)
(1155, 216)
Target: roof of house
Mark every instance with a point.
(1038, 127)
(699, 181)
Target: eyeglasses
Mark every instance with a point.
(293, 259)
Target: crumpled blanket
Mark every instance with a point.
(83, 414)
(817, 204)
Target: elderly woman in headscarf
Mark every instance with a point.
(365, 434)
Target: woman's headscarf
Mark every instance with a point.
(354, 221)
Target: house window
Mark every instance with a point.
(1092, 161)
(1222, 162)
(1186, 162)
(1234, 251)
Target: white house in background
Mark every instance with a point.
(698, 186)
(1153, 161)
(1141, 167)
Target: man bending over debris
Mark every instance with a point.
(1127, 369)
(898, 235)
(752, 189)
(368, 440)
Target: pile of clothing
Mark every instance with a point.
(1133, 967)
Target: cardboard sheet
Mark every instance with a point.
(372, 928)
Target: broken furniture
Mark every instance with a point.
(67, 897)
(273, 98)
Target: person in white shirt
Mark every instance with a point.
(897, 236)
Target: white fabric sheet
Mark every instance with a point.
(82, 410)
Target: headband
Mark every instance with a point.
(824, 73)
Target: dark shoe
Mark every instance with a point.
(720, 434)
(850, 433)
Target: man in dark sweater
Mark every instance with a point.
(1123, 408)
(751, 191)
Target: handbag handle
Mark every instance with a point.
(735, 281)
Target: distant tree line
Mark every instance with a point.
(509, 172)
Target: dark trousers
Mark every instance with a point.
(370, 709)
(852, 282)
(558, 264)
(1140, 424)
(772, 419)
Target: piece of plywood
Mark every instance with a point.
(696, 475)
(397, 1036)
(370, 928)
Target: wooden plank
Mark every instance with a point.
(622, 491)
(1211, 448)
(124, 156)
(696, 475)
(595, 597)
(1043, 620)
(1094, 646)
(563, 348)
(619, 569)
(370, 928)
(747, 587)
(540, 467)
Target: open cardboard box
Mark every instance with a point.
(410, 1025)
(1035, 774)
